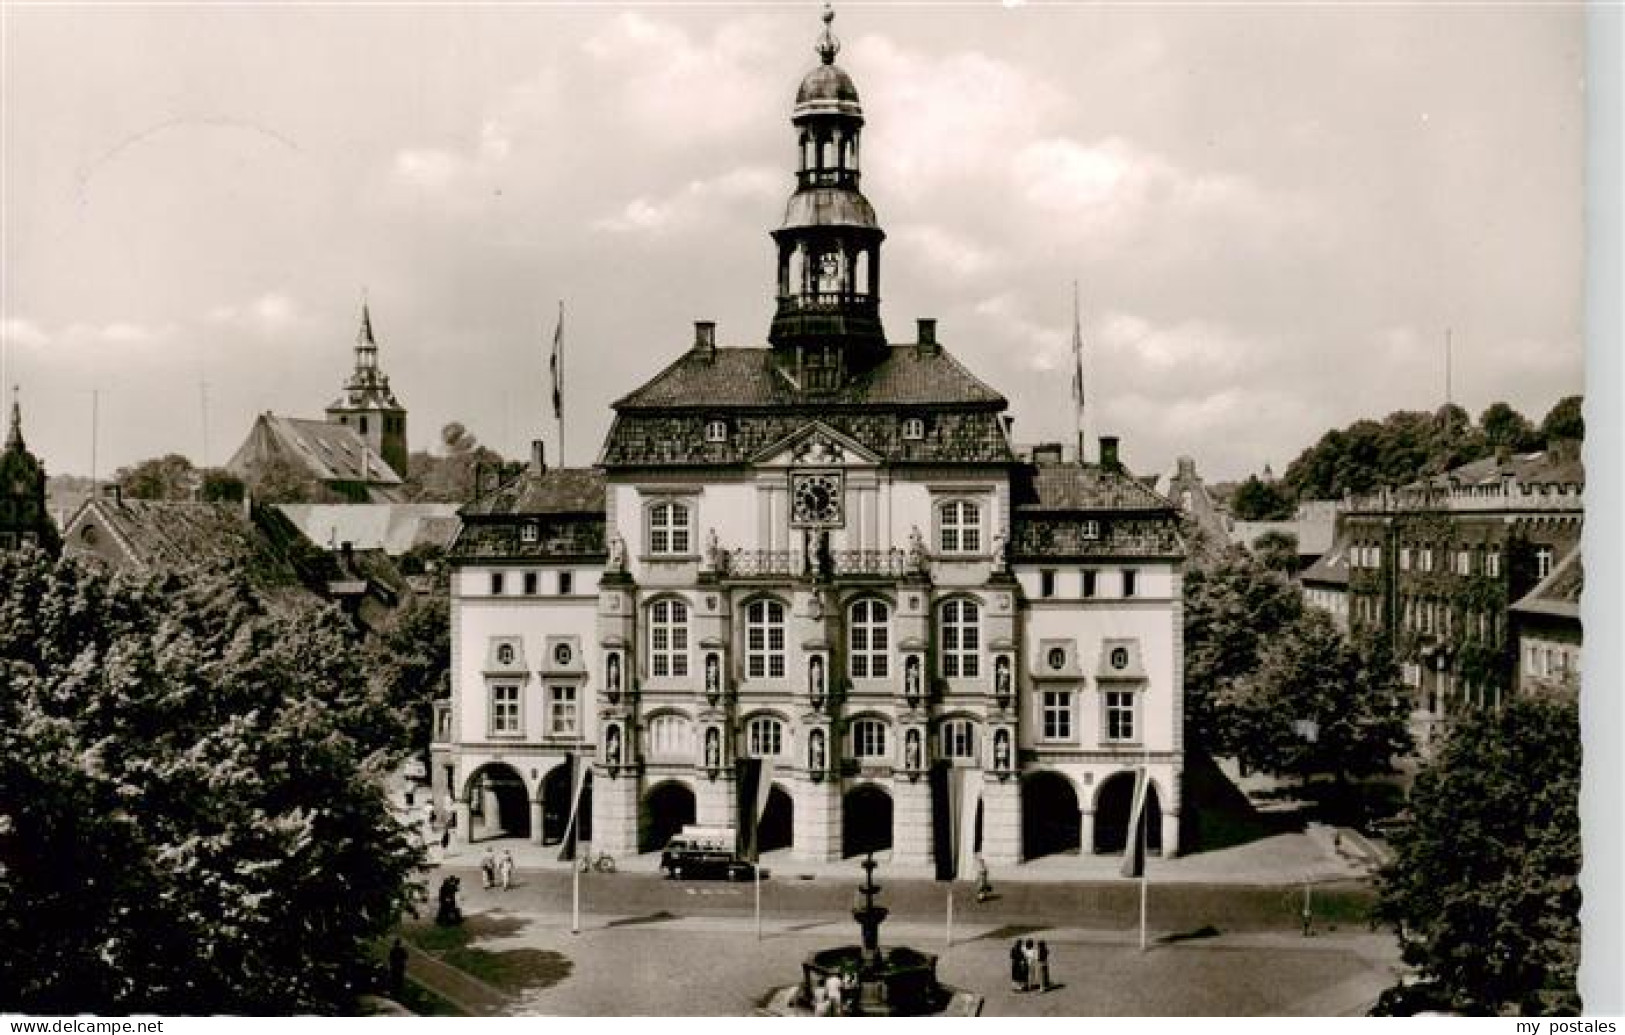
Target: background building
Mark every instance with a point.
(24, 517)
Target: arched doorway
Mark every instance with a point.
(498, 804)
(555, 803)
(777, 828)
(1050, 820)
(668, 807)
(1112, 807)
(866, 818)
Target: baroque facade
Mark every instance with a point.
(821, 564)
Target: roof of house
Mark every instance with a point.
(749, 377)
(1548, 467)
(329, 452)
(393, 528)
(154, 535)
(1072, 487)
(1330, 568)
(556, 491)
(1558, 594)
(555, 514)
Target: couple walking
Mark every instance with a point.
(1029, 966)
(494, 871)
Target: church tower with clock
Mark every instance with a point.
(827, 583)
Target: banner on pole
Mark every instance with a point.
(954, 801)
(580, 769)
(1134, 849)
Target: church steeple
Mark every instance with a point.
(368, 404)
(14, 433)
(827, 325)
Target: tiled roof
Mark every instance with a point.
(169, 534)
(731, 378)
(1071, 487)
(1559, 592)
(392, 527)
(1056, 536)
(1330, 568)
(1550, 467)
(332, 452)
(1314, 535)
(565, 490)
(677, 438)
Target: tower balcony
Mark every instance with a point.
(827, 314)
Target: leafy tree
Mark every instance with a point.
(1256, 500)
(1316, 703)
(412, 660)
(1277, 551)
(168, 477)
(449, 477)
(1483, 887)
(1564, 421)
(192, 817)
(221, 486)
(1231, 610)
(1504, 427)
(279, 479)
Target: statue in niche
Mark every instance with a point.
(911, 750)
(815, 750)
(815, 678)
(1001, 550)
(1001, 676)
(911, 676)
(713, 748)
(713, 674)
(1001, 750)
(612, 745)
(916, 549)
(617, 554)
(612, 673)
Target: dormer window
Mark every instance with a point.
(528, 532)
(1091, 529)
(914, 429)
(716, 431)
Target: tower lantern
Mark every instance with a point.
(826, 328)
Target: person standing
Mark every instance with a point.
(1018, 967)
(1043, 967)
(984, 886)
(833, 991)
(488, 869)
(1029, 955)
(397, 968)
(505, 869)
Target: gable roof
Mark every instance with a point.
(748, 377)
(1330, 568)
(329, 452)
(157, 535)
(1070, 487)
(1559, 592)
(391, 527)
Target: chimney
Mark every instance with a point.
(1108, 453)
(705, 337)
(928, 336)
(113, 491)
(538, 456)
(1047, 453)
(1503, 454)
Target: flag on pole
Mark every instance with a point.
(956, 824)
(556, 365)
(758, 808)
(1134, 850)
(1077, 353)
(580, 769)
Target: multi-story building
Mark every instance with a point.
(821, 563)
(1547, 633)
(1434, 567)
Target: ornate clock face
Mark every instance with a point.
(817, 499)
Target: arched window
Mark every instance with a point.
(764, 639)
(668, 638)
(957, 739)
(869, 639)
(671, 736)
(668, 529)
(869, 739)
(960, 527)
(764, 737)
(961, 639)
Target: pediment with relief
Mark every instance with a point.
(815, 444)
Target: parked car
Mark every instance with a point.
(698, 852)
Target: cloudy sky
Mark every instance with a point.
(1273, 213)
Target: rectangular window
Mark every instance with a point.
(566, 583)
(496, 583)
(1130, 582)
(530, 583)
(1464, 562)
(561, 711)
(1492, 564)
(1120, 716)
(1404, 558)
(1091, 529)
(505, 709)
(1057, 711)
(1089, 582)
(868, 739)
(1046, 583)
(958, 739)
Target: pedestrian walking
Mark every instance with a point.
(849, 993)
(1043, 967)
(488, 869)
(1018, 967)
(984, 887)
(505, 869)
(1029, 955)
(832, 992)
(397, 968)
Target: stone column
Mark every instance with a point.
(715, 801)
(911, 822)
(536, 822)
(817, 820)
(1086, 832)
(615, 814)
(1170, 834)
(1001, 822)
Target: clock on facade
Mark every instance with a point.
(816, 499)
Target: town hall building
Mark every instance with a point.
(820, 563)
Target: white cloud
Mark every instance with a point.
(694, 203)
(24, 333)
(270, 313)
(933, 246)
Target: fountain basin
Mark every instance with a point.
(898, 982)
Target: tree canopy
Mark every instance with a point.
(1257, 500)
(1484, 883)
(450, 477)
(192, 817)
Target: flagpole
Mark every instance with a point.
(558, 379)
(948, 939)
(575, 831)
(758, 894)
(1145, 858)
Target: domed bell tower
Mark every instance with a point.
(826, 329)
